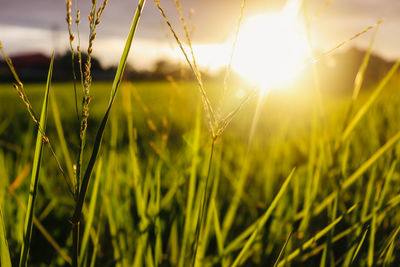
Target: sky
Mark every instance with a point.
(39, 26)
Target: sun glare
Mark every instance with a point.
(271, 49)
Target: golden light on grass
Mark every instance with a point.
(271, 48)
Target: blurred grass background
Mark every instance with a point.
(164, 116)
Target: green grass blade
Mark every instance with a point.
(90, 214)
(390, 241)
(386, 185)
(363, 110)
(359, 246)
(351, 230)
(96, 240)
(315, 238)
(283, 249)
(203, 215)
(5, 260)
(100, 132)
(205, 236)
(237, 242)
(158, 229)
(43, 231)
(63, 142)
(388, 261)
(217, 228)
(263, 220)
(358, 81)
(189, 220)
(35, 172)
(357, 174)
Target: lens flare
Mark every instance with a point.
(271, 49)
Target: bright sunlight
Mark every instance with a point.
(271, 49)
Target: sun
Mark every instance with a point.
(271, 49)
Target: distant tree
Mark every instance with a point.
(64, 62)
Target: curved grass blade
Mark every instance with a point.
(4, 252)
(35, 171)
(263, 220)
(91, 211)
(356, 175)
(316, 237)
(283, 248)
(189, 220)
(63, 142)
(363, 110)
(382, 213)
(99, 136)
(43, 231)
(359, 246)
(358, 82)
(389, 242)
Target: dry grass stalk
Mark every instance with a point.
(330, 51)
(19, 87)
(229, 67)
(212, 121)
(94, 21)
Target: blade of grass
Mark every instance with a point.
(358, 81)
(348, 40)
(35, 172)
(41, 229)
(283, 249)
(202, 217)
(229, 66)
(188, 226)
(99, 136)
(217, 228)
(374, 226)
(90, 214)
(359, 246)
(263, 220)
(212, 120)
(96, 239)
(4, 251)
(315, 238)
(356, 175)
(205, 236)
(388, 261)
(63, 143)
(363, 110)
(388, 179)
(390, 241)
(155, 209)
(382, 213)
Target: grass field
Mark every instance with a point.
(340, 206)
(201, 172)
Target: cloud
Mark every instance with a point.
(43, 27)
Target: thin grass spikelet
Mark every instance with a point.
(94, 20)
(71, 39)
(330, 51)
(100, 12)
(211, 118)
(26, 102)
(69, 20)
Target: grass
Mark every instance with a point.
(33, 188)
(175, 184)
(151, 193)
